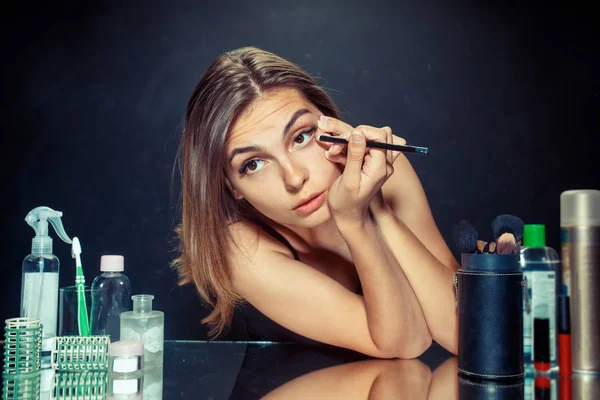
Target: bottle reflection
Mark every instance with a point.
(125, 386)
(374, 379)
(585, 386)
(146, 384)
(153, 383)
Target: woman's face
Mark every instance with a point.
(275, 162)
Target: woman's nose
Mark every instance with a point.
(294, 175)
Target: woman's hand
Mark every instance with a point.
(365, 171)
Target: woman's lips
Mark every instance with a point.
(312, 205)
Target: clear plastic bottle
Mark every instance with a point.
(111, 293)
(541, 266)
(145, 325)
(39, 284)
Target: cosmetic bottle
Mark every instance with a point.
(39, 284)
(145, 325)
(580, 243)
(540, 265)
(111, 296)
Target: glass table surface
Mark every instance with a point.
(266, 370)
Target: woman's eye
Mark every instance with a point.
(304, 136)
(251, 167)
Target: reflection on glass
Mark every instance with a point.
(26, 386)
(153, 383)
(585, 386)
(79, 385)
(541, 385)
(47, 379)
(125, 387)
(374, 379)
(478, 389)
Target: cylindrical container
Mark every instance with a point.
(489, 290)
(80, 353)
(126, 357)
(580, 242)
(470, 389)
(68, 309)
(22, 347)
(21, 387)
(145, 325)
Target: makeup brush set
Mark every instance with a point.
(489, 300)
(507, 233)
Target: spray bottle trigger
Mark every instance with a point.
(60, 230)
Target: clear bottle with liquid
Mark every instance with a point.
(541, 266)
(145, 325)
(111, 296)
(39, 283)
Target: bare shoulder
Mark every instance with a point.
(249, 243)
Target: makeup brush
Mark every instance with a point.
(481, 245)
(504, 223)
(465, 237)
(507, 223)
(492, 247)
(378, 145)
(506, 244)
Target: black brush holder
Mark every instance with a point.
(489, 299)
(473, 389)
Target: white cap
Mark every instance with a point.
(125, 348)
(112, 263)
(580, 208)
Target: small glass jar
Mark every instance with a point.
(126, 357)
(126, 363)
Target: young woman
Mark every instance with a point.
(332, 243)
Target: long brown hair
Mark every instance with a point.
(231, 83)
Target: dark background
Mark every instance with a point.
(506, 97)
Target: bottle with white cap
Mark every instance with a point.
(111, 294)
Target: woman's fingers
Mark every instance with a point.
(335, 127)
(354, 162)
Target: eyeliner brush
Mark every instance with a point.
(378, 145)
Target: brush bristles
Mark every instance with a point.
(465, 237)
(481, 246)
(506, 244)
(507, 223)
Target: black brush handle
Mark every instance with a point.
(379, 145)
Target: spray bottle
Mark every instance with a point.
(39, 285)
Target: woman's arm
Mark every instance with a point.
(369, 379)
(396, 321)
(422, 254)
(386, 322)
(412, 235)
